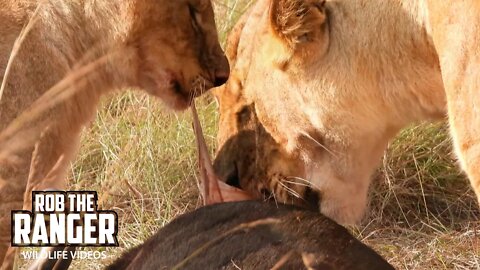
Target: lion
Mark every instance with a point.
(58, 57)
(327, 84)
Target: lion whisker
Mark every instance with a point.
(307, 183)
(274, 197)
(198, 87)
(289, 190)
(318, 143)
(296, 183)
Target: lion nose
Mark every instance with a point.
(221, 76)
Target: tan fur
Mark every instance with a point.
(365, 70)
(76, 51)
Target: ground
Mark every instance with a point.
(141, 158)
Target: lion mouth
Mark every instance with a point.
(173, 89)
(200, 85)
(181, 98)
(196, 88)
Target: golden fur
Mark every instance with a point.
(69, 53)
(332, 82)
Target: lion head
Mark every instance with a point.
(250, 158)
(317, 90)
(178, 50)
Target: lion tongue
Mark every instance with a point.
(211, 188)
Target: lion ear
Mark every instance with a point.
(297, 21)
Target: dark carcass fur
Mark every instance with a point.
(251, 235)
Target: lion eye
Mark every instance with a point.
(195, 18)
(304, 38)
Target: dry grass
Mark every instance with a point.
(141, 158)
(424, 214)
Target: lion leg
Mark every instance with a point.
(11, 199)
(458, 46)
(464, 117)
(464, 121)
(13, 179)
(52, 181)
(50, 161)
(48, 168)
